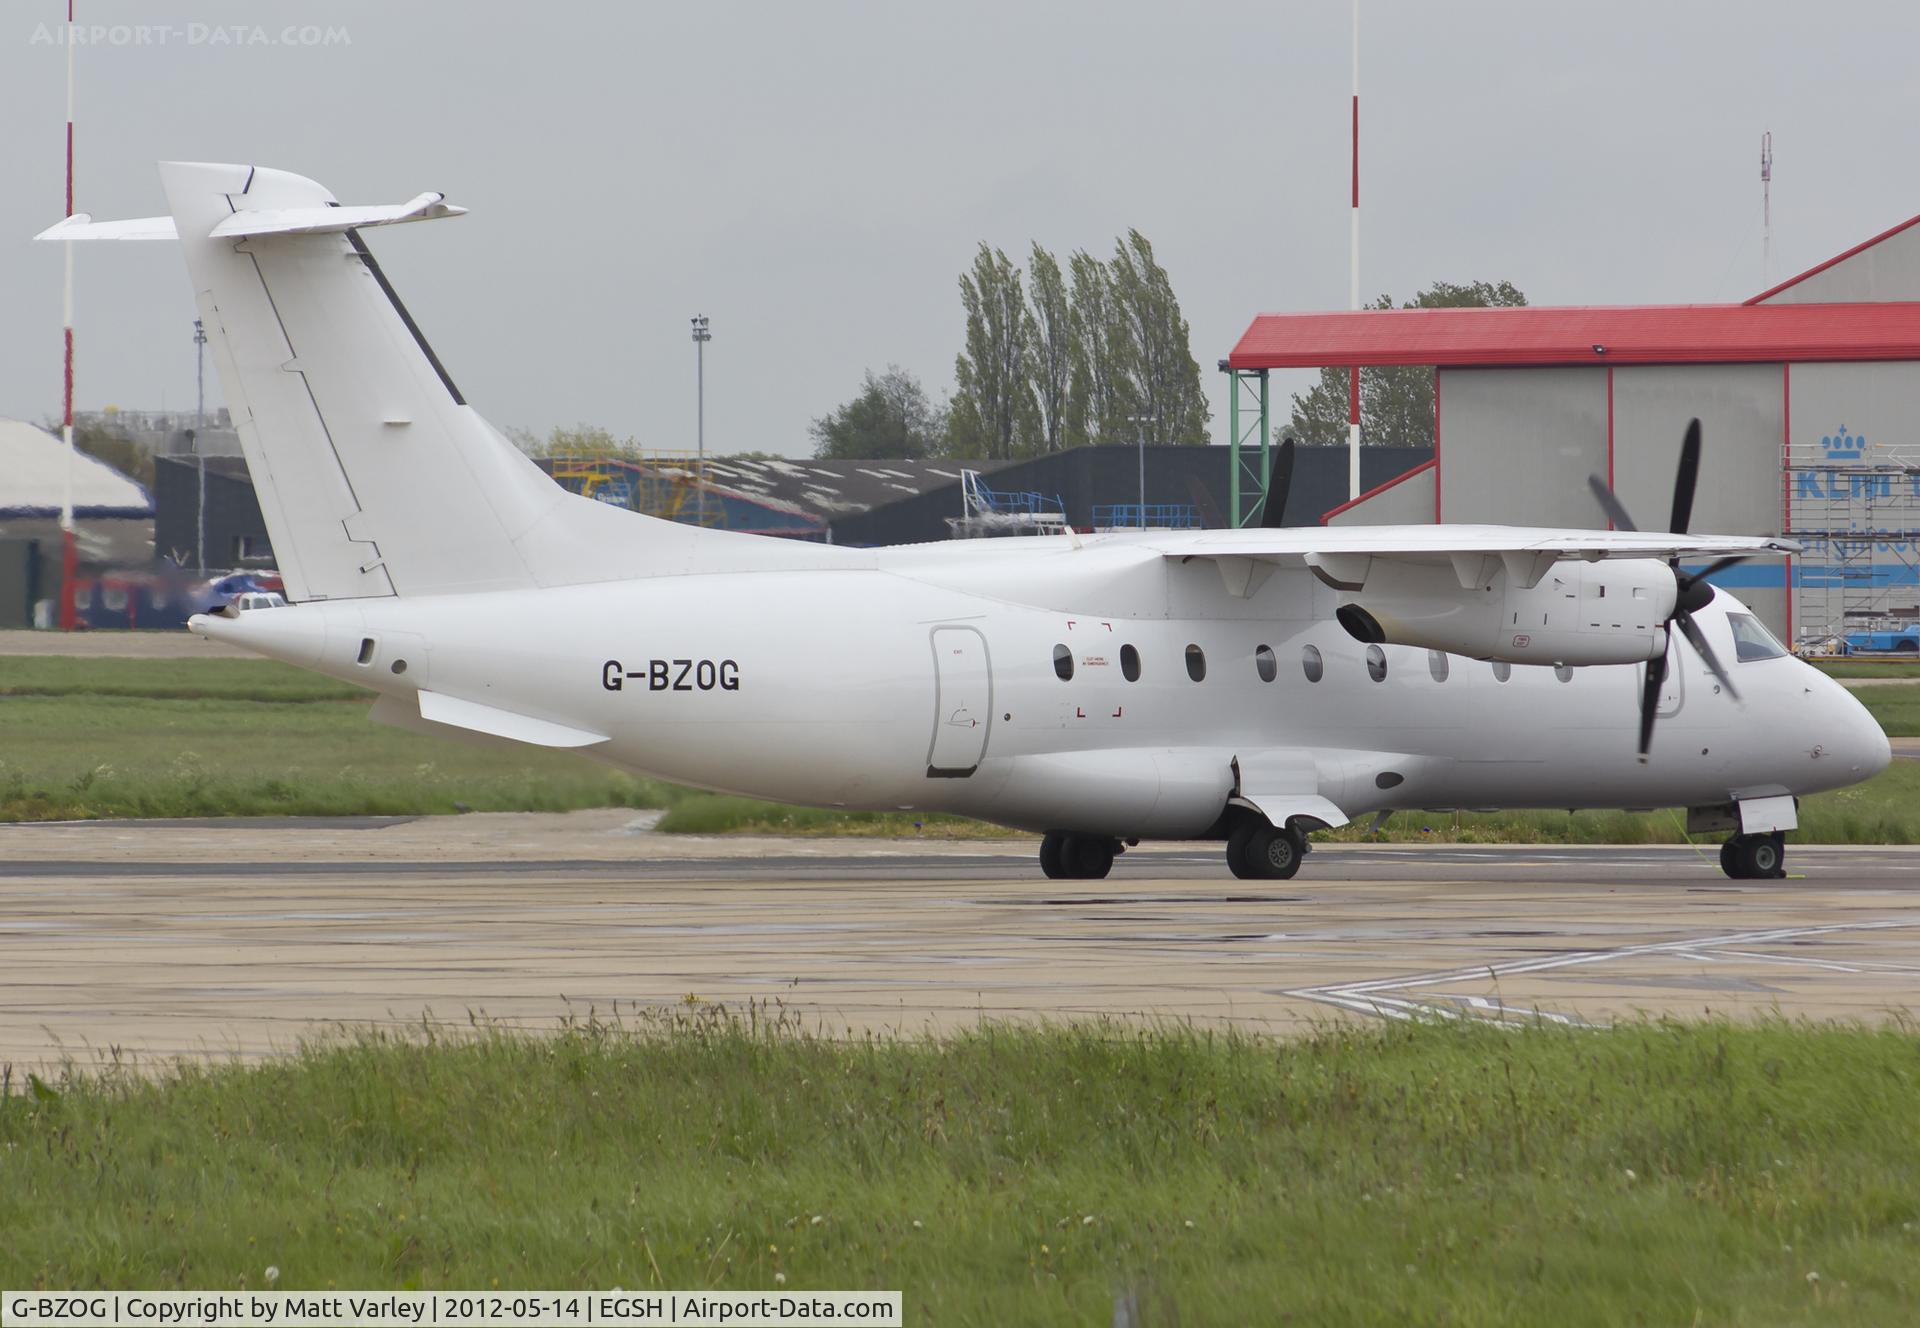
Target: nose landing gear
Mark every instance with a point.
(1077, 857)
(1755, 857)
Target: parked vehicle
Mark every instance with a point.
(249, 600)
(1904, 640)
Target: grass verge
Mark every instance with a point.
(1431, 1173)
(1866, 668)
(122, 737)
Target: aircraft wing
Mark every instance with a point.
(1342, 556)
(1293, 544)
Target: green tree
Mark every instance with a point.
(106, 444)
(994, 412)
(1159, 354)
(890, 418)
(582, 440)
(1101, 384)
(1053, 354)
(1396, 401)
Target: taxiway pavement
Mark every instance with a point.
(165, 939)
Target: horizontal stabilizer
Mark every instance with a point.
(443, 709)
(263, 221)
(332, 220)
(82, 226)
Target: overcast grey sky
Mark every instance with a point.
(814, 176)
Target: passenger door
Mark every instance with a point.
(962, 702)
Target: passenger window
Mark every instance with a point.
(1063, 663)
(1196, 663)
(1130, 663)
(1752, 640)
(1502, 670)
(1265, 664)
(1311, 664)
(1376, 663)
(1437, 664)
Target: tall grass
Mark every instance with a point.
(1456, 1173)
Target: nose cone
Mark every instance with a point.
(1858, 741)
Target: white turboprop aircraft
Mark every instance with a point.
(1245, 685)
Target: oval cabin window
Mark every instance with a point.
(1063, 663)
(1196, 663)
(1130, 663)
(1311, 664)
(1265, 664)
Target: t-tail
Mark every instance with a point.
(374, 475)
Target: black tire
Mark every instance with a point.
(1259, 852)
(1906, 647)
(1729, 859)
(1087, 857)
(1051, 860)
(1278, 852)
(1764, 857)
(1239, 860)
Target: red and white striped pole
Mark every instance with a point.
(1353, 277)
(69, 553)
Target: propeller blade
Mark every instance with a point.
(1610, 504)
(1273, 514)
(1722, 565)
(1650, 701)
(1686, 479)
(1698, 640)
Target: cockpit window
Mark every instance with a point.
(1752, 640)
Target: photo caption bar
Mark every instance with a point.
(448, 1309)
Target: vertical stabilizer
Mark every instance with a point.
(374, 475)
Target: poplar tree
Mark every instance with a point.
(994, 412)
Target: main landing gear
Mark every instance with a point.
(1755, 857)
(1257, 851)
(1077, 857)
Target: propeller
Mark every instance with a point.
(1273, 513)
(1694, 591)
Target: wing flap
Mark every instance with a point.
(1532, 547)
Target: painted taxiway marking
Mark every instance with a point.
(1377, 997)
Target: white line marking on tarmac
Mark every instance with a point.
(1371, 997)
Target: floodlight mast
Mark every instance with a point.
(198, 436)
(69, 548)
(1353, 278)
(702, 334)
(1140, 423)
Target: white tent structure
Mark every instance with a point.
(33, 469)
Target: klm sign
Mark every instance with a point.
(1834, 482)
(1843, 446)
(1841, 482)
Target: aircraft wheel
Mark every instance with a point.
(1051, 856)
(1087, 857)
(1260, 852)
(1239, 861)
(1755, 857)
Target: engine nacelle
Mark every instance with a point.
(1575, 612)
